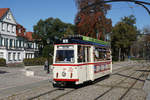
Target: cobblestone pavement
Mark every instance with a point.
(125, 83)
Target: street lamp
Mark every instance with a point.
(48, 42)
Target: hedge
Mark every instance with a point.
(2, 62)
(34, 61)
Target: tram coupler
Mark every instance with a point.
(59, 84)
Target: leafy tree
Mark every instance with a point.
(92, 21)
(123, 35)
(52, 29)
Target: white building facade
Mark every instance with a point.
(13, 48)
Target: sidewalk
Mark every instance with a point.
(14, 80)
(38, 72)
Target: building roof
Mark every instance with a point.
(3, 11)
(29, 36)
(22, 30)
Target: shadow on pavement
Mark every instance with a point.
(3, 72)
(143, 70)
(130, 77)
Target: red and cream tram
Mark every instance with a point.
(79, 59)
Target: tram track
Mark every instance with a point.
(116, 85)
(131, 87)
(71, 91)
(79, 88)
(112, 88)
(68, 91)
(48, 92)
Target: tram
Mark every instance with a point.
(78, 59)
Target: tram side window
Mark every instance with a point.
(108, 55)
(88, 54)
(84, 54)
(99, 54)
(81, 54)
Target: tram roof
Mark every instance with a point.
(79, 39)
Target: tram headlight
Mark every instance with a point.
(63, 74)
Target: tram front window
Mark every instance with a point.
(64, 56)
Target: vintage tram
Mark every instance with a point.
(78, 59)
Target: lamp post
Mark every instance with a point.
(48, 42)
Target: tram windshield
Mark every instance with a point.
(64, 56)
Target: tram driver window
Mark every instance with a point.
(65, 56)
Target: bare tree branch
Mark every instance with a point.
(141, 3)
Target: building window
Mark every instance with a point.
(8, 16)
(1, 54)
(9, 56)
(9, 28)
(13, 30)
(4, 42)
(10, 44)
(14, 56)
(3, 26)
(14, 43)
(19, 31)
(19, 43)
(19, 56)
(7, 42)
(0, 41)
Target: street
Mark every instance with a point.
(125, 83)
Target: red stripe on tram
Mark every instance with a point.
(82, 64)
(70, 80)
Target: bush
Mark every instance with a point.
(34, 61)
(133, 58)
(17, 64)
(2, 62)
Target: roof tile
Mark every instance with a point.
(3, 11)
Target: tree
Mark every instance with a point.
(123, 35)
(51, 29)
(92, 21)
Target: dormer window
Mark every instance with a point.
(8, 16)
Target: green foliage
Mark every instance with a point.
(51, 28)
(2, 62)
(136, 58)
(123, 35)
(34, 61)
(18, 64)
(47, 51)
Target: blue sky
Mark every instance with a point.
(29, 12)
